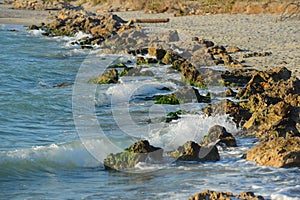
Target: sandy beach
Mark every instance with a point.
(251, 33)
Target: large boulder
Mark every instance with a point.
(191, 151)
(140, 151)
(218, 132)
(214, 195)
(278, 152)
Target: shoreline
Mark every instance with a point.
(251, 33)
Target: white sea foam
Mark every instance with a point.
(68, 155)
(125, 92)
(36, 32)
(188, 128)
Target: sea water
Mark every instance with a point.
(53, 125)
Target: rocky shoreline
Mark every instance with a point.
(266, 106)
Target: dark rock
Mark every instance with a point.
(230, 93)
(170, 57)
(189, 94)
(140, 151)
(278, 152)
(218, 132)
(191, 151)
(183, 95)
(158, 53)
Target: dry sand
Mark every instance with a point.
(253, 33)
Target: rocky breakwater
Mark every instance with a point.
(68, 22)
(273, 98)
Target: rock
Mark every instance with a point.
(278, 152)
(238, 77)
(238, 113)
(218, 132)
(158, 53)
(174, 116)
(272, 122)
(213, 195)
(135, 71)
(189, 94)
(191, 151)
(260, 81)
(191, 75)
(140, 151)
(110, 76)
(233, 49)
(183, 95)
(167, 99)
(230, 93)
(170, 57)
(256, 54)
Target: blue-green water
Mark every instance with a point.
(42, 155)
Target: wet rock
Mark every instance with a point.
(174, 115)
(135, 71)
(69, 22)
(156, 52)
(167, 99)
(183, 95)
(214, 195)
(218, 132)
(278, 152)
(189, 94)
(230, 93)
(191, 151)
(110, 76)
(191, 75)
(170, 57)
(140, 151)
(238, 113)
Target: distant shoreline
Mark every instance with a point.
(23, 17)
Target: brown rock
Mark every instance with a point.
(191, 151)
(213, 195)
(191, 75)
(278, 152)
(233, 49)
(218, 132)
(110, 76)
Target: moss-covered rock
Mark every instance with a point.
(167, 99)
(110, 76)
(140, 151)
